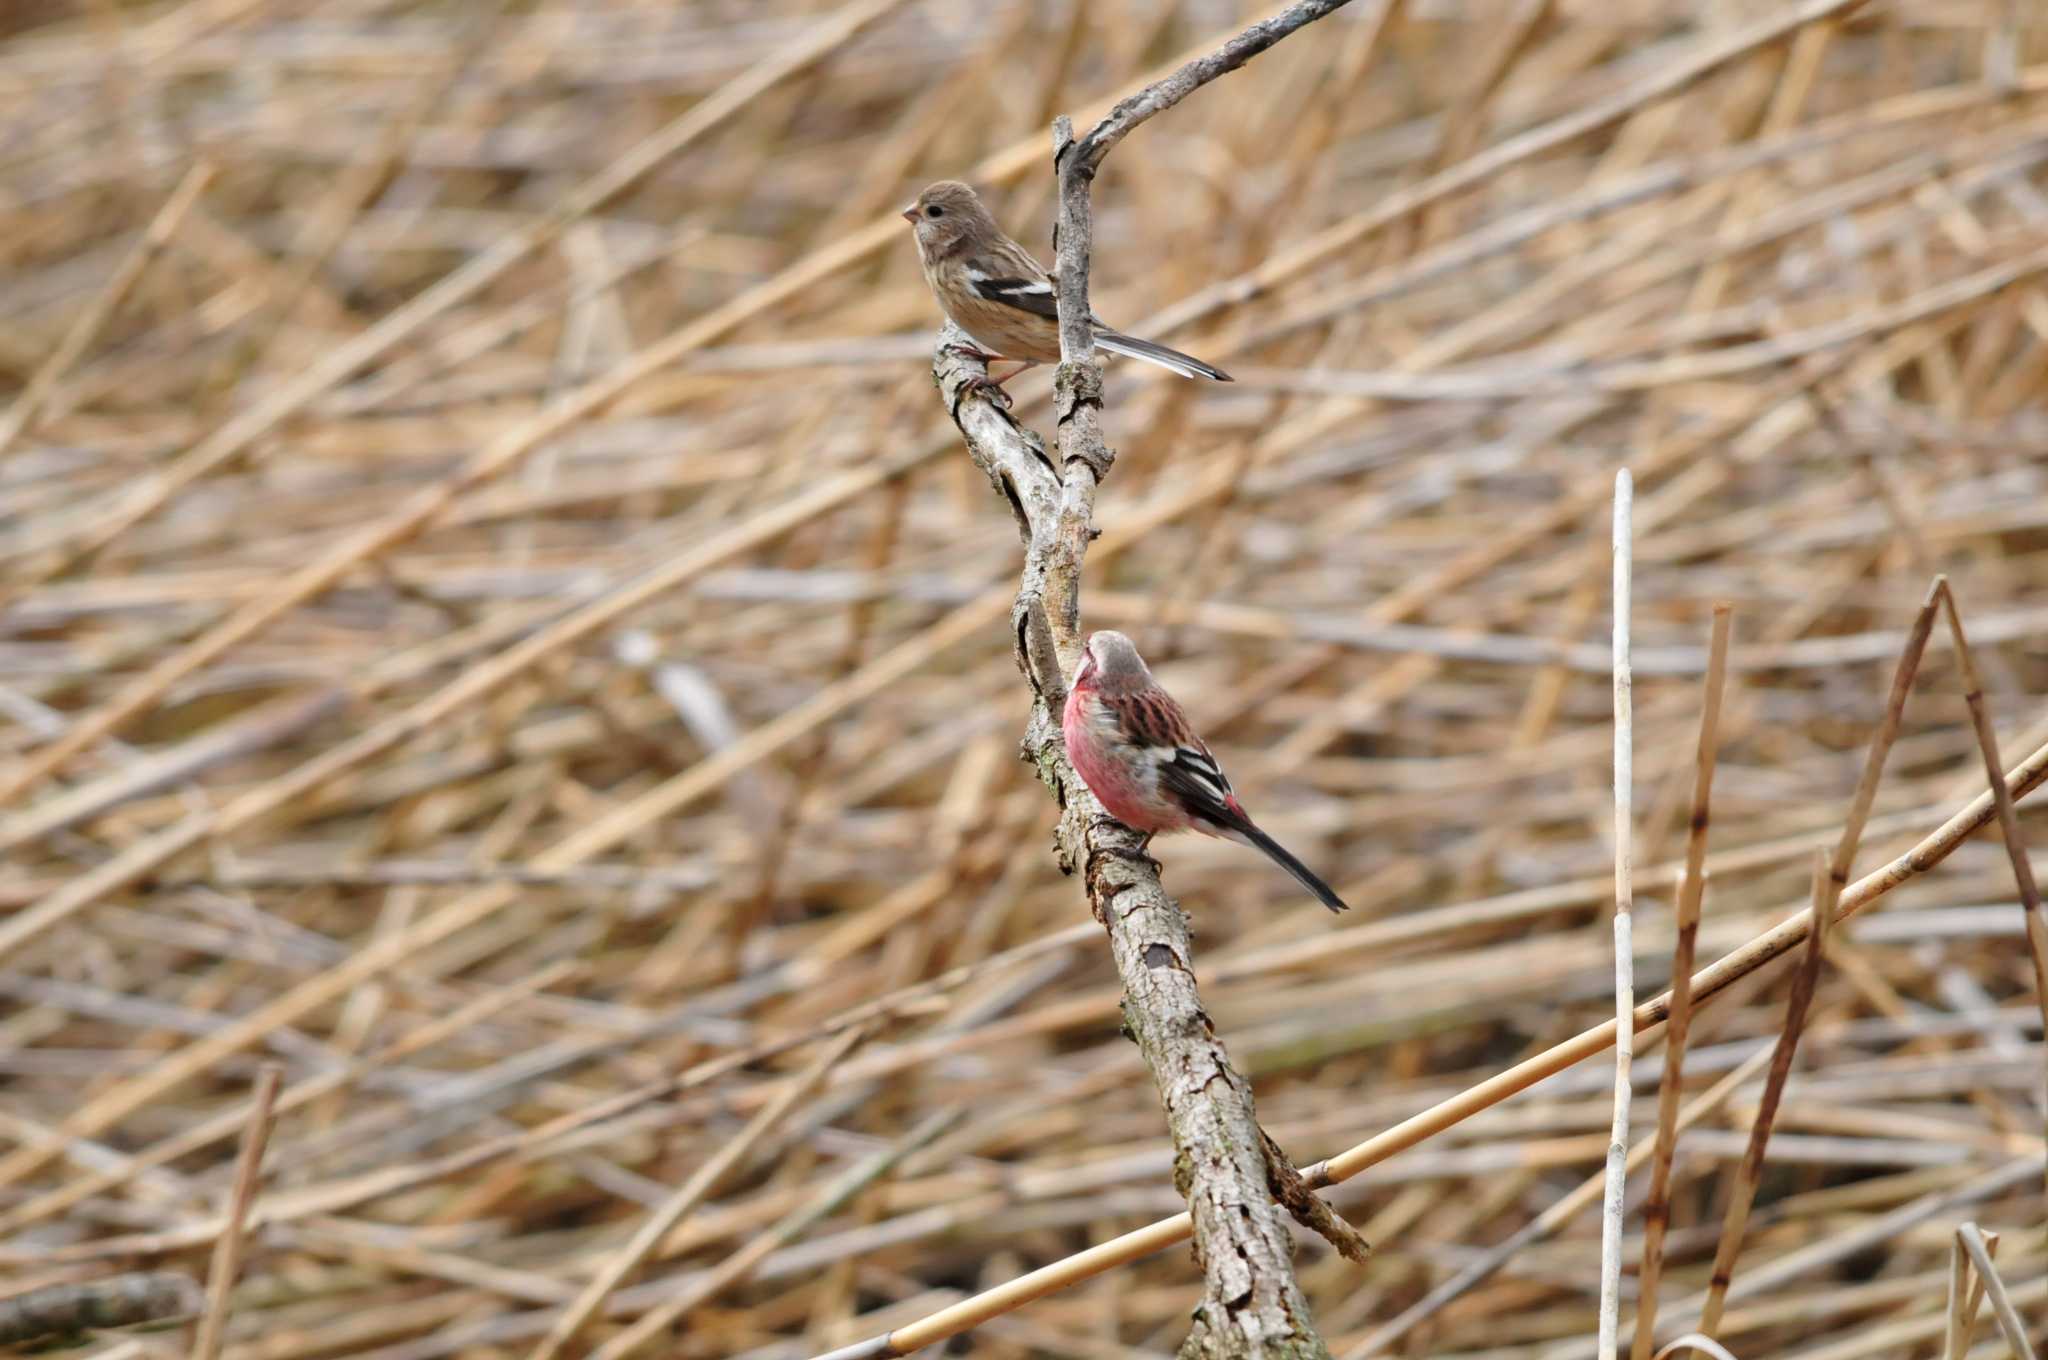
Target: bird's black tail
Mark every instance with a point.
(1187, 365)
(1304, 875)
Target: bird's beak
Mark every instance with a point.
(909, 214)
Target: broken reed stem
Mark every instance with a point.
(1965, 1296)
(1691, 889)
(2008, 826)
(227, 1251)
(664, 1218)
(2009, 1322)
(1750, 1172)
(1624, 905)
(1831, 876)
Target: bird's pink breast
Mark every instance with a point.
(1120, 776)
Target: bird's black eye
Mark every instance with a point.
(934, 211)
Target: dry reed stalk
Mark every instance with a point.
(1695, 1341)
(1624, 921)
(228, 1121)
(1736, 1221)
(86, 328)
(234, 438)
(1965, 1296)
(743, 1262)
(660, 1223)
(1677, 1033)
(226, 1265)
(2008, 825)
(1830, 878)
(1973, 1241)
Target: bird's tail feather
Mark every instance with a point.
(1303, 875)
(1116, 342)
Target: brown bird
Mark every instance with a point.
(994, 290)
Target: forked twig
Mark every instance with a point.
(1252, 1302)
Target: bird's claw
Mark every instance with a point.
(987, 386)
(1137, 856)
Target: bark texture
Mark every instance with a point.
(1252, 1305)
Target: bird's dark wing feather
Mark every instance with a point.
(1185, 766)
(1197, 781)
(1028, 295)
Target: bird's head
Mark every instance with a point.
(945, 215)
(1111, 663)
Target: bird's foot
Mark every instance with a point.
(989, 388)
(1136, 856)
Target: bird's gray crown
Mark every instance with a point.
(1116, 657)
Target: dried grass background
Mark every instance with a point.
(492, 700)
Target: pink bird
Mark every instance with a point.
(1132, 745)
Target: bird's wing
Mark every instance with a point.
(1027, 294)
(1156, 725)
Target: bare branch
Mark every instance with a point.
(1222, 1163)
(1253, 1305)
(1084, 156)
